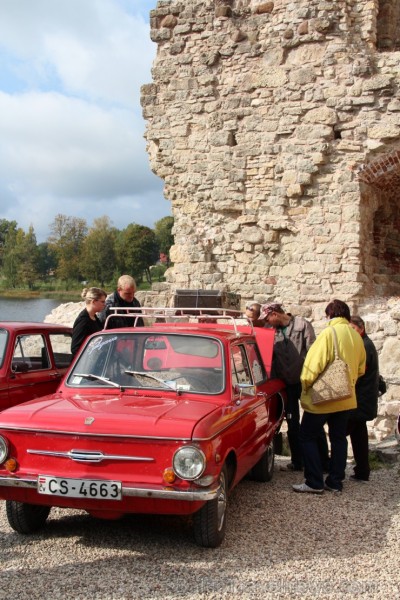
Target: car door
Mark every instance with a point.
(31, 373)
(261, 381)
(59, 346)
(4, 372)
(249, 408)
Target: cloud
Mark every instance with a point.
(93, 48)
(71, 131)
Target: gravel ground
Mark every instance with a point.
(278, 545)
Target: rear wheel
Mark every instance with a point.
(26, 518)
(263, 470)
(278, 443)
(210, 521)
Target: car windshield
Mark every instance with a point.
(182, 363)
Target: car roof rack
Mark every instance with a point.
(182, 316)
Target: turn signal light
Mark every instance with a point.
(169, 475)
(11, 465)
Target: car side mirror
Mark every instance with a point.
(243, 389)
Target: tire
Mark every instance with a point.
(278, 443)
(209, 523)
(263, 470)
(26, 518)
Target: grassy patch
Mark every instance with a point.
(376, 462)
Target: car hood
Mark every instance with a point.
(120, 414)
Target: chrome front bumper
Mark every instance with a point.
(163, 493)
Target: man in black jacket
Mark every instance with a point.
(123, 297)
(367, 405)
(293, 338)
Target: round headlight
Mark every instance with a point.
(189, 462)
(3, 449)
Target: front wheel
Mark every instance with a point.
(26, 518)
(210, 521)
(263, 470)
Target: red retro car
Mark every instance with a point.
(165, 419)
(33, 358)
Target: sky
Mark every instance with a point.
(71, 126)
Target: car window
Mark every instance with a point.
(182, 351)
(240, 367)
(30, 354)
(3, 345)
(256, 364)
(61, 345)
(168, 361)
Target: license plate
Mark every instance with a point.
(79, 488)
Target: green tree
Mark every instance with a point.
(163, 231)
(28, 254)
(66, 240)
(11, 259)
(5, 228)
(137, 249)
(98, 251)
(20, 258)
(47, 261)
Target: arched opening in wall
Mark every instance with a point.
(380, 225)
(388, 25)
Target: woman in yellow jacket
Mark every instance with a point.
(335, 413)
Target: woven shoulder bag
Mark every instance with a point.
(334, 381)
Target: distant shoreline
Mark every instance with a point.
(57, 294)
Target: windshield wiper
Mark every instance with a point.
(153, 377)
(93, 377)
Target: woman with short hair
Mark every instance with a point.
(87, 322)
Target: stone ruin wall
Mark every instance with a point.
(275, 127)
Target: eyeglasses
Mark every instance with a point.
(252, 309)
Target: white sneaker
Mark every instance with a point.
(304, 488)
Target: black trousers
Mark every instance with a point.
(358, 432)
(293, 424)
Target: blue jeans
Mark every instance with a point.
(310, 430)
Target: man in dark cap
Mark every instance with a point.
(293, 337)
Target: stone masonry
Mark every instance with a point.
(275, 127)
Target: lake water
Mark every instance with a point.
(27, 309)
